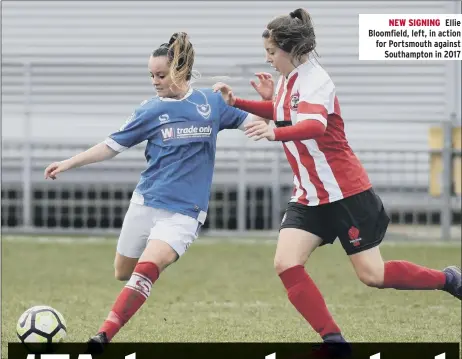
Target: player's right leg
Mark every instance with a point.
(302, 231)
(133, 237)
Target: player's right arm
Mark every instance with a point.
(135, 130)
(265, 88)
(97, 153)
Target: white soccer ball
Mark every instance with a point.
(41, 325)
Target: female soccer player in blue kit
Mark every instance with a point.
(332, 195)
(170, 202)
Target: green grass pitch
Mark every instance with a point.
(224, 291)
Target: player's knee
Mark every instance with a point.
(294, 248)
(122, 275)
(371, 278)
(281, 264)
(369, 267)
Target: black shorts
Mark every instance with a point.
(359, 221)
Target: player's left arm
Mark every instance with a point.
(233, 118)
(252, 119)
(312, 115)
(257, 118)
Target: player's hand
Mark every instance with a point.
(258, 130)
(265, 86)
(226, 92)
(56, 167)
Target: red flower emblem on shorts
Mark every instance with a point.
(353, 233)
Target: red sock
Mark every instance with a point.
(407, 275)
(306, 298)
(131, 298)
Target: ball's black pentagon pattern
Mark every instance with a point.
(33, 329)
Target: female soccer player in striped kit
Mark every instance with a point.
(332, 196)
(170, 202)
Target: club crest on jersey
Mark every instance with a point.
(204, 110)
(294, 102)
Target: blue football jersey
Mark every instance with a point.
(181, 140)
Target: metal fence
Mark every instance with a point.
(250, 192)
(252, 184)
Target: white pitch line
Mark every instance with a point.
(45, 240)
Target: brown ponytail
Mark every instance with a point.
(293, 33)
(181, 56)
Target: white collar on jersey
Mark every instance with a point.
(309, 61)
(189, 93)
(294, 71)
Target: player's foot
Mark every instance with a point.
(97, 343)
(453, 281)
(334, 346)
(334, 338)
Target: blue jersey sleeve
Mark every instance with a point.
(135, 130)
(230, 117)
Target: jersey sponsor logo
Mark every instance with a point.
(193, 131)
(168, 133)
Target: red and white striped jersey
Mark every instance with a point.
(326, 168)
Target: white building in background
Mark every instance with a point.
(88, 71)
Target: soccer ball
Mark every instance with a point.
(41, 325)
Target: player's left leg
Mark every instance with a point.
(404, 275)
(157, 256)
(169, 240)
(362, 227)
